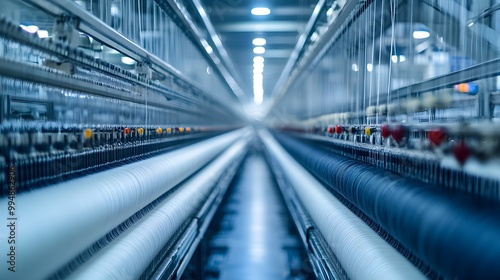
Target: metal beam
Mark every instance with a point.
(477, 72)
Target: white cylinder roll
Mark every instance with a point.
(129, 255)
(362, 253)
(56, 223)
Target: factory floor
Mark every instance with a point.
(254, 237)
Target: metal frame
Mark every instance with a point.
(215, 38)
(483, 70)
(19, 70)
(292, 61)
(97, 29)
(182, 13)
(334, 30)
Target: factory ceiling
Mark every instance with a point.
(237, 28)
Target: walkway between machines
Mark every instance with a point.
(258, 239)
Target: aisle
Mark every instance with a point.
(257, 237)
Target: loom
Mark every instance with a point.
(124, 124)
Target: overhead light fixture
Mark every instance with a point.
(421, 34)
(259, 67)
(258, 59)
(314, 36)
(209, 49)
(258, 76)
(127, 60)
(471, 23)
(329, 12)
(398, 58)
(259, 42)
(355, 67)
(259, 50)
(43, 33)
(369, 67)
(114, 10)
(29, 28)
(261, 11)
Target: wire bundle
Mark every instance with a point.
(455, 234)
(362, 253)
(62, 220)
(128, 256)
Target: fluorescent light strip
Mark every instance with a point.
(259, 42)
(261, 11)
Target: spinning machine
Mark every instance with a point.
(110, 138)
(122, 127)
(392, 106)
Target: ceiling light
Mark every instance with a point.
(258, 59)
(258, 76)
(259, 50)
(114, 10)
(314, 36)
(259, 41)
(258, 64)
(258, 70)
(43, 33)
(471, 23)
(355, 67)
(261, 11)
(369, 67)
(258, 100)
(127, 60)
(209, 49)
(421, 34)
(30, 28)
(329, 12)
(396, 58)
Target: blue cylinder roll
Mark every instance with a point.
(454, 233)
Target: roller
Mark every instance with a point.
(56, 223)
(129, 255)
(453, 233)
(362, 253)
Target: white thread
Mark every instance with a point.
(362, 253)
(129, 255)
(58, 222)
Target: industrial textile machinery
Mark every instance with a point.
(393, 106)
(108, 135)
(121, 128)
